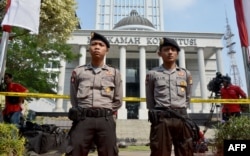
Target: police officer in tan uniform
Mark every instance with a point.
(167, 95)
(96, 94)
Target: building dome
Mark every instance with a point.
(134, 22)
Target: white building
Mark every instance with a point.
(110, 12)
(134, 52)
(134, 41)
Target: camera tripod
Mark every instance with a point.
(203, 143)
(213, 106)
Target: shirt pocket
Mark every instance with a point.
(84, 89)
(181, 87)
(161, 88)
(107, 88)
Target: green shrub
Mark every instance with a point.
(10, 141)
(237, 128)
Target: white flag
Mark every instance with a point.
(24, 14)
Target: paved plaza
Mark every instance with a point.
(132, 132)
(139, 130)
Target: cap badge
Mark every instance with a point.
(161, 41)
(92, 34)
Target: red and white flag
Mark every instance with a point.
(242, 9)
(24, 14)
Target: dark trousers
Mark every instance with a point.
(168, 132)
(227, 115)
(14, 118)
(98, 130)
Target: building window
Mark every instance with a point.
(113, 62)
(151, 63)
(132, 71)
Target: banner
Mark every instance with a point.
(24, 14)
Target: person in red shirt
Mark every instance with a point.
(229, 91)
(13, 105)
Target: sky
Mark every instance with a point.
(202, 16)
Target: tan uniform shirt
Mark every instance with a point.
(168, 88)
(96, 87)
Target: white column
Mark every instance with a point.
(143, 113)
(60, 89)
(182, 62)
(82, 59)
(218, 60)
(203, 88)
(219, 69)
(68, 106)
(160, 59)
(104, 60)
(122, 112)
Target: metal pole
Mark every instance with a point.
(3, 52)
(245, 54)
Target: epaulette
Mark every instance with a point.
(183, 68)
(157, 69)
(109, 65)
(85, 65)
(187, 71)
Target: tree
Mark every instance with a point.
(27, 53)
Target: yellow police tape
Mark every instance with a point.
(35, 95)
(128, 99)
(197, 100)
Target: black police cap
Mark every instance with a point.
(96, 36)
(168, 41)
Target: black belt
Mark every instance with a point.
(97, 112)
(169, 112)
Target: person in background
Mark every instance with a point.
(12, 112)
(168, 90)
(96, 95)
(230, 91)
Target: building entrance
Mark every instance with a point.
(132, 107)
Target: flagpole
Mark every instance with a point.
(246, 59)
(3, 52)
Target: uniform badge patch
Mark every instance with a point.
(190, 80)
(109, 73)
(181, 73)
(183, 83)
